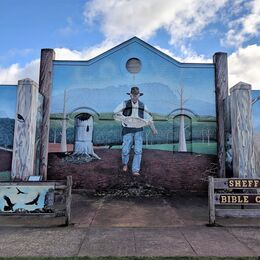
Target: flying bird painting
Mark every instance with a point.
(34, 201)
(10, 205)
(20, 118)
(20, 192)
(23, 197)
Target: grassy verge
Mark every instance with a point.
(132, 257)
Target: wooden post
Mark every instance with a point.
(68, 200)
(45, 82)
(25, 130)
(221, 89)
(242, 131)
(211, 201)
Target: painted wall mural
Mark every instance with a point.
(7, 115)
(25, 198)
(256, 110)
(256, 126)
(178, 96)
(7, 121)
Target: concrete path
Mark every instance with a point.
(105, 226)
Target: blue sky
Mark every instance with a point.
(187, 30)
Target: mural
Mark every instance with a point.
(7, 121)
(7, 115)
(256, 110)
(180, 97)
(256, 125)
(25, 198)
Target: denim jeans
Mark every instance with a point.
(128, 140)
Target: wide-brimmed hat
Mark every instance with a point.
(135, 91)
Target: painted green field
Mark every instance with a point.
(196, 147)
(108, 132)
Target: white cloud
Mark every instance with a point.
(122, 19)
(245, 27)
(67, 54)
(243, 65)
(189, 55)
(12, 74)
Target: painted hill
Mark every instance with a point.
(159, 98)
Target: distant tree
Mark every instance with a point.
(182, 138)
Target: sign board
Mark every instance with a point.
(237, 199)
(22, 198)
(35, 178)
(236, 193)
(244, 183)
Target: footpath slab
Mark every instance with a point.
(158, 226)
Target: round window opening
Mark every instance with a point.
(133, 65)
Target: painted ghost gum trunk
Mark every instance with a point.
(83, 136)
(182, 138)
(25, 130)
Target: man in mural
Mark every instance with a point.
(133, 115)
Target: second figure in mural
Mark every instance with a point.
(134, 116)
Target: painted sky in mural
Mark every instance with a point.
(7, 114)
(256, 110)
(103, 82)
(7, 101)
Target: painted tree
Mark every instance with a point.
(84, 135)
(182, 138)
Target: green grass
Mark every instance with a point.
(134, 257)
(203, 148)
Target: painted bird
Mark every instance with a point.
(20, 118)
(20, 192)
(34, 201)
(9, 204)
